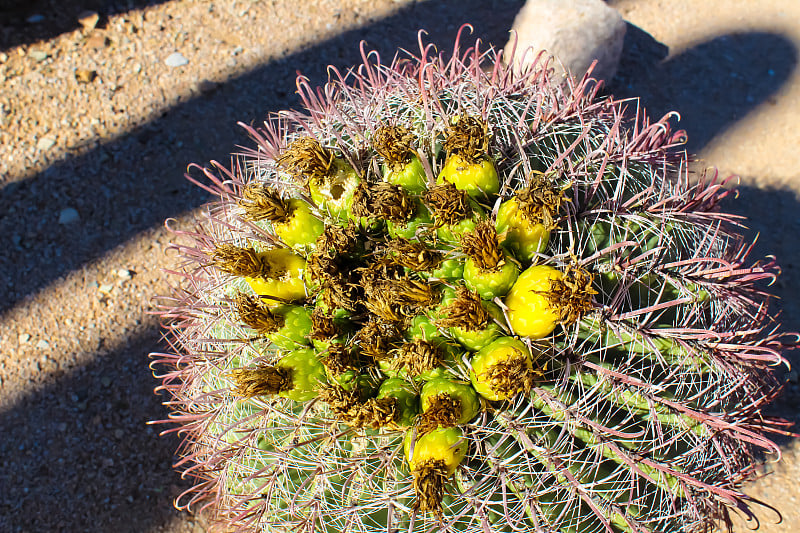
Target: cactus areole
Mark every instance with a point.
(452, 296)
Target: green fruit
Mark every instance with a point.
(452, 233)
(479, 179)
(410, 228)
(499, 352)
(490, 282)
(296, 327)
(462, 392)
(307, 374)
(444, 444)
(410, 176)
(302, 228)
(449, 270)
(407, 399)
(475, 338)
(521, 236)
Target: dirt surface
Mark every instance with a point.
(96, 130)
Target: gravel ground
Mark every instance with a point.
(96, 130)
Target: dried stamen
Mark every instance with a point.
(541, 200)
(307, 160)
(261, 381)
(377, 338)
(417, 356)
(469, 138)
(392, 202)
(341, 293)
(337, 240)
(321, 268)
(572, 294)
(482, 245)
(395, 300)
(395, 144)
(323, 326)
(414, 255)
(448, 204)
(240, 261)
(510, 377)
(339, 359)
(466, 312)
(443, 411)
(260, 202)
(256, 315)
(376, 413)
(430, 478)
(345, 404)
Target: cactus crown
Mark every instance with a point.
(557, 332)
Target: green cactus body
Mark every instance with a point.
(505, 307)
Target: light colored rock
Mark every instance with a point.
(576, 32)
(68, 216)
(176, 59)
(38, 55)
(45, 143)
(88, 19)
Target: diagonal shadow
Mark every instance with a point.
(117, 197)
(76, 455)
(57, 17)
(712, 84)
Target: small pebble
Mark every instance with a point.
(38, 55)
(105, 289)
(105, 381)
(24, 337)
(43, 344)
(85, 75)
(97, 41)
(119, 433)
(88, 19)
(68, 216)
(45, 143)
(124, 274)
(34, 19)
(176, 59)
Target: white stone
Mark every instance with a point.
(45, 143)
(176, 59)
(575, 32)
(68, 216)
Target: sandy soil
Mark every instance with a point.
(96, 131)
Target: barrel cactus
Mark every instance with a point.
(452, 296)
